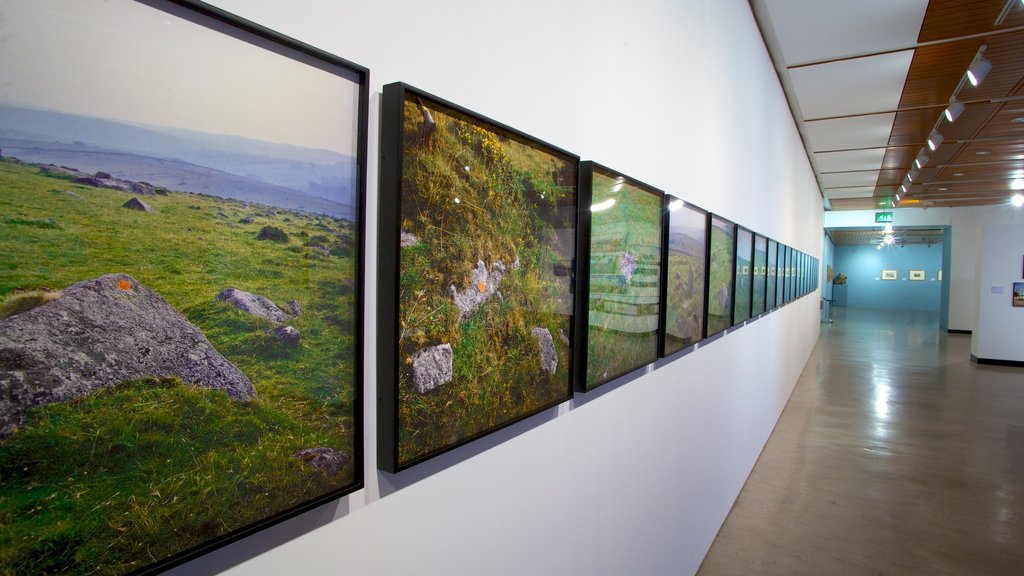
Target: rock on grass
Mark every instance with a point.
(100, 333)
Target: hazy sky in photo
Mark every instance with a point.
(121, 60)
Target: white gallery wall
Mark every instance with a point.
(637, 477)
(998, 326)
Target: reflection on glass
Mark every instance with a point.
(625, 268)
(687, 239)
(722, 261)
(744, 276)
(760, 271)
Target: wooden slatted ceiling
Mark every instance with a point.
(984, 148)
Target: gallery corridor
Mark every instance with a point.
(895, 455)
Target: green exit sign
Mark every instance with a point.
(883, 217)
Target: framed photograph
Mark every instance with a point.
(620, 290)
(780, 276)
(889, 275)
(1018, 294)
(180, 342)
(721, 268)
(771, 281)
(757, 303)
(476, 276)
(790, 274)
(742, 286)
(685, 264)
(940, 276)
(916, 275)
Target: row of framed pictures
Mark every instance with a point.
(160, 406)
(513, 275)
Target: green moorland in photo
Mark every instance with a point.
(760, 271)
(470, 196)
(741, 302)
(625, 265)
(720, 279)
(150, 467)
(684, 297)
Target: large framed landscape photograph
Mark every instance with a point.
(757, 305)
(181, 199)
(685, 258)
(780, 276)
(772, 276)
(476, 276)
(618, 303)
(742, 288)
(721, 268)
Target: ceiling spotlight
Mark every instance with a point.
(934, 141)
(905, 189)
(1017, 184)
(889, 239)
(898, 197)
(922, 159)
(1017, 200)
(954, 109)
(978, 70)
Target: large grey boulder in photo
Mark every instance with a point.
(100, 333)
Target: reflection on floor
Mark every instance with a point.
(895, 455)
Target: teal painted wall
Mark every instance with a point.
(865, 288)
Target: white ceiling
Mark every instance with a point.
(847, 76)
(812, 30)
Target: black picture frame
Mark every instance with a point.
(760, 271)
(273, 477)
(620, 293)
(771, 282)
(721, 272)
(780, 276)
(743, 280)
(685, 238)
(515, 310)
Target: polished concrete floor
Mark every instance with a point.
(895, 455)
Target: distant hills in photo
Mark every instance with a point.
(689, 241)
(291, 177)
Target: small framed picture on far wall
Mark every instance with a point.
(889, 275)
(1018, 294)
(917, 275)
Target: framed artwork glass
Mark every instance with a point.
(771, 282)
(780, 276)
(889, 274)
(685, 258)
(182, 292)
(476, 273)
(618, 304)
(721, 268)
(916, 275)
(1018, 294)
(742, 288)
(757, 303)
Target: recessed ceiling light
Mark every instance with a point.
(958, 174)
(1017, 200)
(1018, 120)
(982, 152)
(1017, 184)
(943, 188)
